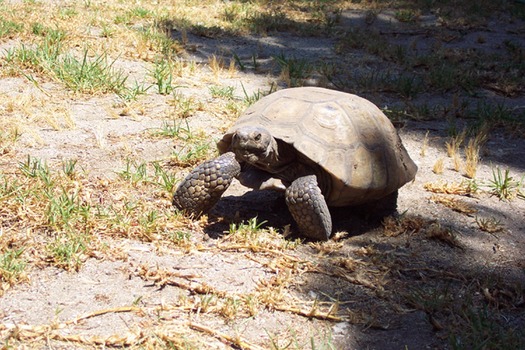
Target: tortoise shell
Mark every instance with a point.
(348, 136)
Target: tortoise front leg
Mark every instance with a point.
(204, 186)
(308, 208)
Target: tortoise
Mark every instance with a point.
(321, 147)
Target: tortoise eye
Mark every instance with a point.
(258, 137)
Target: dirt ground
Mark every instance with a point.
(402, 290)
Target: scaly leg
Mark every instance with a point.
(308, 207)
(204, 186)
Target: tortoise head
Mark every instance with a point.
(254, 145)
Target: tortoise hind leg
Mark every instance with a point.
(204, 186)
(308, 208)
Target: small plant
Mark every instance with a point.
(250, 227)
(90, 75)
(407, 16)
(239, 62)
(443, 234)
(191, 154)
(216, 65)
(7, 140)
(438, 166)
(472, 158)
(34, 168)
(456, 160)
(222, 92)
(12, 266)
(256, 96)
(8, 28)
(408, 86)
(424, 147)
(503, 185)
(177, 128)
(293, 70)
(131, 93)
(163, 76)
(180, 238)
(68, 251)
(164, 180)
(68, 167)
(465, 188)
(490, 225)
(64, 209)
(455, 204)
(252, 236)
(134, 173)
(185, 106)
(455, 143)
(482, 330)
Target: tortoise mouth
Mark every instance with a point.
(252, 156)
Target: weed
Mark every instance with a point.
(134, 172)
(225, 92)
(67, 251)
(64, 209)
(293, 70)
(68, 167)
(107, 31)
(490, 225)
(408, 86)
(249, 228)
(133, 92)
(239, 62)
(164, 180)
(191, 154)
(34, 168)
(482, 330)
(8, 138)
(185, 106)
(455, 204)
(234, 12)
(438, 166)
(90, 75)
(472, 158)
(407, 16)
(266, 22)
(163, 76)
(465, 188)
(256, 96)
(424, 147)
(8, 28)
(12, 266)
(181, 239)
(503, 185)
(176, 128)
(216, 65)
(443, 234)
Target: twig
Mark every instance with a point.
(103, 312)
(225, 338)
(310, 314)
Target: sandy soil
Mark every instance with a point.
(373, 316)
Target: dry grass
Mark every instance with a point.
(464, 188)
(454, 204)
(58, 215)
(438, 166)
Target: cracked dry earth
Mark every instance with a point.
(376, 286)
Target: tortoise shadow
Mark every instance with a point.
(270, 210)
